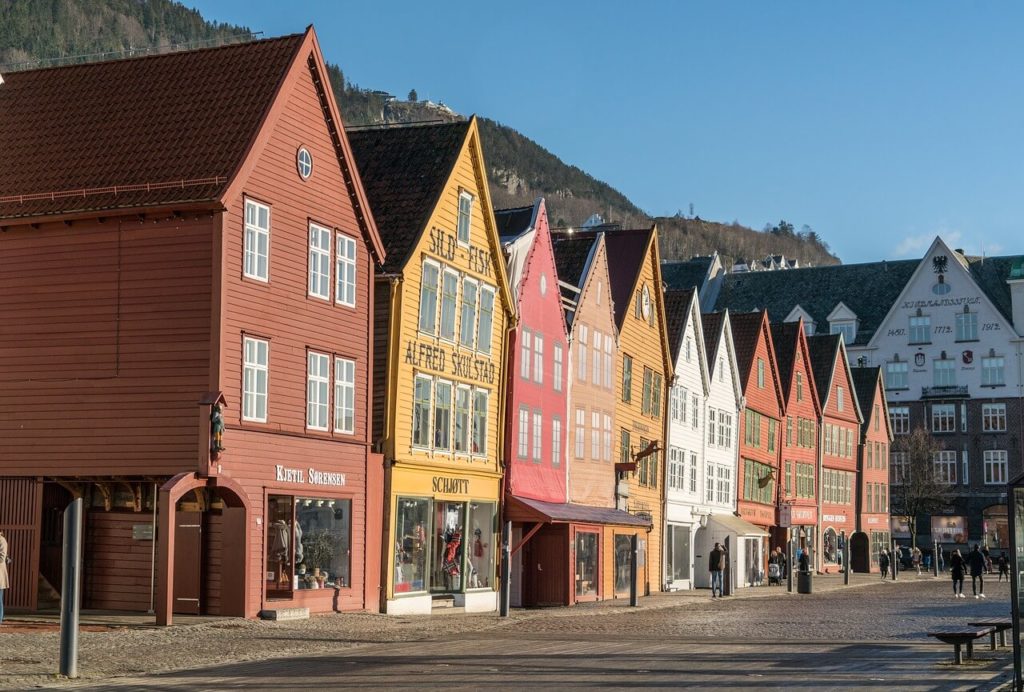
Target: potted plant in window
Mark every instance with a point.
(318, 549)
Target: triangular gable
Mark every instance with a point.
(803, 351)
(651, 254)
(725, 338)
(692, 319)
(540, 254)
(842, 361)
(841, 313)
(309, 57)
(797, 314)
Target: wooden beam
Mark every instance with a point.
(528, 536)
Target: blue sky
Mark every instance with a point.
(878, 124)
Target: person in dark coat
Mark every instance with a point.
(1004, 566)
(956, 566)
(976, 561)
(716, 563)
(883, 563)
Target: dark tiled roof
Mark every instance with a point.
(179, 123)
(512, 223)
(785, 336)
(686, 274)
(991, 273)
(712, 322)
(867, 289)
(823, 350)
(677, 314)
(404, 170)
(571, 255)
(626, 253)
(864, 382)
(746, 330)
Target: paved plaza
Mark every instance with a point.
(870, 635)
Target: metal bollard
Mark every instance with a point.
(72, 586)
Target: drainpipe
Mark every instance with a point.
(152, 558)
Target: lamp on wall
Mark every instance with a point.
(703, 520)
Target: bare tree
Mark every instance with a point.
(917, 487)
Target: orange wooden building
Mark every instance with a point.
(872, 532)
(186, 262)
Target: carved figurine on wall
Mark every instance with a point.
(216, 430)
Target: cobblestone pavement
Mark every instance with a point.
(870, 635)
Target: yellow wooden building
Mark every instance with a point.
(442, 314)
(644, 372)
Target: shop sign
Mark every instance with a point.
(765, 516)
(436, 358)
(900, 527)
(451, 486)
(785, 516)
(142, 532)
(834, 518)
(803, 516)
(872, 520)
(283, 474)
(949, 529)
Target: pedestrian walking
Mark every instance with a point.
(5, 559)
(805, 561)
(956, 566)
(942, 561)
(716, 563)
(976, 561)
(988, 559)
(883, 563)
(1004, 566)
(915, 559)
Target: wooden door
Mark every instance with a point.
(550, 560)
(188, 542)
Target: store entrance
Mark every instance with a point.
(188, 545)
(448, 539)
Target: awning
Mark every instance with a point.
(736, 525)
(523, 509)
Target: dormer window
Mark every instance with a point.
(846, 328)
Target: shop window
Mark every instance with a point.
(997, 528)
(623, 550)
(586, 563)
(308, 544)
(679, 552)
(481, 544)
(447, 550)
(411, 528)
(830, 546)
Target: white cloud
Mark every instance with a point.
(914, 246)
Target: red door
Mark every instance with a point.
(549, 568)
(188, 541)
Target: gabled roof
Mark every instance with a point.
(168, 129)
(868, 289)
(824, 349)
(574, 258)
(404, 170)
(626, 252)
(747, 328)
(992, 273)
(865, 381)
(677, 312)
(691, 273)
(713, 323)
(512, 223)
(785, 336)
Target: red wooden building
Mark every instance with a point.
(799, 452)
(760, 429)
(186, 234)
(875, 436)
(838, 447)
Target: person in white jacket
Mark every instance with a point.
(4, 582)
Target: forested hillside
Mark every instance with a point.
(34, 33)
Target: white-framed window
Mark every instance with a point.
(257, 241)
(945, 466)
(693, 472)
(344, 395)
(689, 349)
(847, 329)
(724, 429)
(524, 433)
(944, 372)
(760, 373)
(255, 380)
(676, 468)
(319, 261)
(995, 466)
(595, 435)
(581, 355)
(608, 367)
(992, 371)
(943, 418)
(606, 438)
(993, 417)
(896, 374)
(581, 433)
(449, 303)
(467, 333)
(465, 217)
(694, 411)
(485, 325)
(556, 441)
(537, 435)
(920, 329)
(721, 370)
(597, 367)
(966, 326)
(538, 358)
(421, 403)
(442, 415)
(557, 372)
(429, 280)
(481, 397)
(899, 418)
(712, 418)
(463, 418)
(840, 403)
(677, 404)
(899, 466)
(525, 352)
(723, 485)
(709, 482)
(345, 261)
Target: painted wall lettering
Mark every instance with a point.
(283, 474)
(940, 302)
(451, 486)
(442, 244)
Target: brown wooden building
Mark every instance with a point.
(185, 235)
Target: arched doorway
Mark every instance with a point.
(996, 528)
(860, 552)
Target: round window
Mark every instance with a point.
(543, 284)
(304, 161)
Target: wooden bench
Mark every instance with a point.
(958, 636)
(1001, 625)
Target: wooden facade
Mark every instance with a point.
(875, 437)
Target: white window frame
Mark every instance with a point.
(595, 435)
(556, 441)
(944, 372)
(966, 326)
(479, 422)
(943, 418)
(897, 374)
(608, 348)
(944, 463)
(538, 358)
(318, 382)
(899, 418)
(920, 325)
(254, 233)
(846, 328)
(581, 351)
(319, 261)
(523, 449)
(993, 371)
(525, 353)
(346, 254)
(485, 319)
(995, 466)
(694, 411)
(448, 304)
(445, 404)
(463, 444)
(557, 369)
(417, 406)
(694, 486)
(344, 395)
(256, 361)
(581, 433)
(597, 362)
(464, 222)
(899, 466)
(993, 417)
(606, 435)
(538, 436)
(840, 402)
(425, 289)
(467, 314)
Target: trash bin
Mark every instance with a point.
(803, 582)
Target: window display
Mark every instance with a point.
(623, 549)
(481, 545)
(830, 546)
(949, 529)
(308, 544)
(586, 564)
(679, 552)
(449, 528)
(413, 518)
